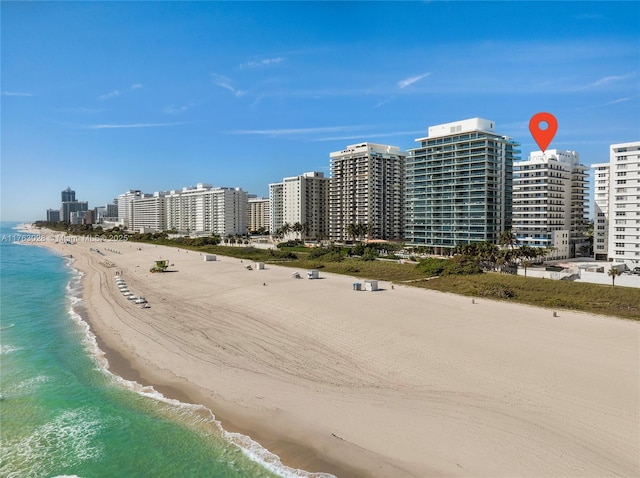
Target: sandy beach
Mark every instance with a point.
(402, 382)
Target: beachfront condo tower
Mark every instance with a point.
(258, 214)
(459, 185)
(303, 200)
(208, 210)
(125, 206)
(601, 211)
(550, 203)
(367, 187)
(149, 213)
(624, 204)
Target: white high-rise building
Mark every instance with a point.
(601, 211)
(367, 187)
(624, 204)
(304, 200)
(149, 213)
(550, 202)
(205, 209)
(276, 206)
(125, 206)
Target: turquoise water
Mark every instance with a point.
(62, 414)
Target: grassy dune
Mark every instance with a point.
(616, 301)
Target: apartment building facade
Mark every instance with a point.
(624, 204)
(258, 214)
(207, 210)
(550, 202)
(601, 182)
(459, 184)
(125, 206)
(276, 206)
(149, 213)
(302, 199)
(367, 187)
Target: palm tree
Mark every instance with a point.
(285, 229)
(508, 239)
(297, 228)
(613, 273)
(353, 230)
(525, 264)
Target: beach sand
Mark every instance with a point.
(395, 383)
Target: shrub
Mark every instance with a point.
(431, 266)
(496, 291)
(462, 265)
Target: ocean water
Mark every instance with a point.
(63, 414)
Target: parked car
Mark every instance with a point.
(636, 270)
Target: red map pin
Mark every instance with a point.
(543, 136)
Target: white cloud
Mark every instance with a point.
(620, 100)
(296, 131)
(261, 63)
(411, 80)
(136, 86)
(108, 96)
(15, 93)
(225, 83)
(361, 137)
(607, 79)
(130, 125)
(601, 82)
(384, 102)
(174, 110)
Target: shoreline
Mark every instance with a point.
(375, 392)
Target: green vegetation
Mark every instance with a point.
(580, 296)
(461, 274)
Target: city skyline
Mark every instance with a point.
(154, 96)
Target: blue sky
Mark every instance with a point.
(106, 97)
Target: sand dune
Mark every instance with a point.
(399, 382)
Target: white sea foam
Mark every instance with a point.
(69, 437)
(5, 327)
(6, 349)
(270, 461)
(27, 386)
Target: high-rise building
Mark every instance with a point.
(367, 187)
(258, 214)
(624, 204)
(459, 185)
(303, 200)
(550, 202)
(125, 206)
(68, 207)
(89, 217)
(53, 215)
(276, 206)
(205, 209)
(68, 195)
(601, 211)
(149, 213)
